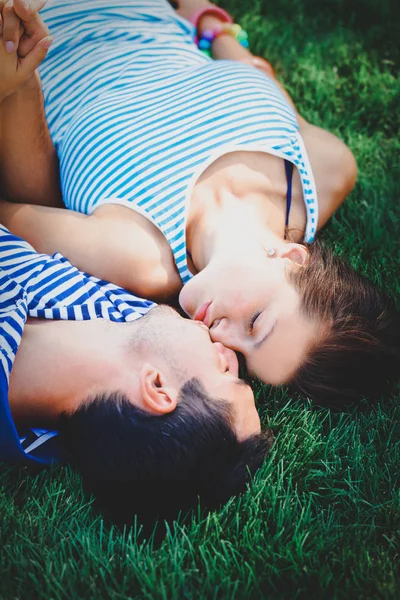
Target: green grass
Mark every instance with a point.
(322, 519)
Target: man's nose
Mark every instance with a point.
(228, 358)
(227, 332)
(222, 355)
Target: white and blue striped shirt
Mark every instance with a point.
(37, 285)
(137, 112)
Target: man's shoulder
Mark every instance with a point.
(13, 315)
(50, 287)
(63, 292)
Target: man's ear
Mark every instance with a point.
(297, 253)
(159, 396)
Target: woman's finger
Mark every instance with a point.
(35, 30)
(11, 25)
(31, 62)
(27, 9)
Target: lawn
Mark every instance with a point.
(322, 519)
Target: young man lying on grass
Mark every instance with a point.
(150, 411)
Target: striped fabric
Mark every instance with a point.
(37, 285)
(137, 113)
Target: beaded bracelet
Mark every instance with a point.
(209, 35)
(211, 10)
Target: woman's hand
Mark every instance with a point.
(15, 14)
(225, 48)
(261, 64)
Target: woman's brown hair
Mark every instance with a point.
(358, 352)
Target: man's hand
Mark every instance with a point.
(16, 71)
(25, 13)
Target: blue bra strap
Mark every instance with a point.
(289, 176)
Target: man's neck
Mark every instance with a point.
(56, 360)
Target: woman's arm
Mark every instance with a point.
(118, 246)
(333, 164)
(225, 46)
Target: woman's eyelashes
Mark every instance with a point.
(253, 320)
(215, 323)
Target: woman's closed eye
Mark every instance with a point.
(253, 320)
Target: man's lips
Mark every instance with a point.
(201, 314)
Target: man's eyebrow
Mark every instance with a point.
(242, 383)
(258, 345)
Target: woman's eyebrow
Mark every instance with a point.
(258, 345)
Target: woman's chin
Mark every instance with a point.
(187, 301)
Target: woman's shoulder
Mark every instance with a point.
(140, 253)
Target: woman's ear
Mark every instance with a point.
(297, 253)
(158, 396)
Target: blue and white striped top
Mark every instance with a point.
(137, 112)
(37, 285)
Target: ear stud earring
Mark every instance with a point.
(271, 252)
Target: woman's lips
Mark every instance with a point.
(201, 313)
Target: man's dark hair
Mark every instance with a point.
(358, 351)
(136, 463)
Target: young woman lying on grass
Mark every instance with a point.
(143, 404)
(178, 169)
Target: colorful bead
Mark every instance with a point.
(204, 44)
(209, 35)
(235, 29)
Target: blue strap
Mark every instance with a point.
(289, 176)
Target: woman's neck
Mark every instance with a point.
(233, 207)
